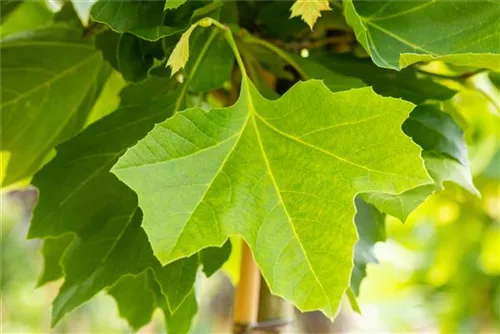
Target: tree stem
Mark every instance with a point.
(246, 302)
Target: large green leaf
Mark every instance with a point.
(49, 83)
(399, 33)
(445, 157)
(281, 174)
(99, 210)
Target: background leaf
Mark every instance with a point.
(399, 33)
(110, 242)
(61, 78)
(370, 224)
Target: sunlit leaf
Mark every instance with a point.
(445, 157)
(309, 10)
(273, 172)
(179, 57)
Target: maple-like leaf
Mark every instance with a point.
(309, 10)
(281, 174)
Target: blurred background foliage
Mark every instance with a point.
(440, 271)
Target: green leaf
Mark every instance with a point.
(370, 224)
(109, 99)
(99, 210)
(281, 174)
(334, 81)
(399, 33)
(309, 10)
(406, 84)
(52, 251)
(136, 298)
(132, 62)
(142, 18)
(180, 321)
(140, 295)
(213, 258)
(445, 157)
(173, 4)
(212, 63)
(20, 16)
(48, 85)
(275, 19)
(147, 19)
(7, 7)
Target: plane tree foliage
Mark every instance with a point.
(156, 130)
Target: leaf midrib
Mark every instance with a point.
(253, 112)
(251, 115)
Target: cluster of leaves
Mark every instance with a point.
(135, 200)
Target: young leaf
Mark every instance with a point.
(281, 174)
(49, 83)
(179, 57)
(399, 33)
(309, 10)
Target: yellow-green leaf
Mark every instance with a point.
(309, 10)
(180, 55)
(280, 174)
